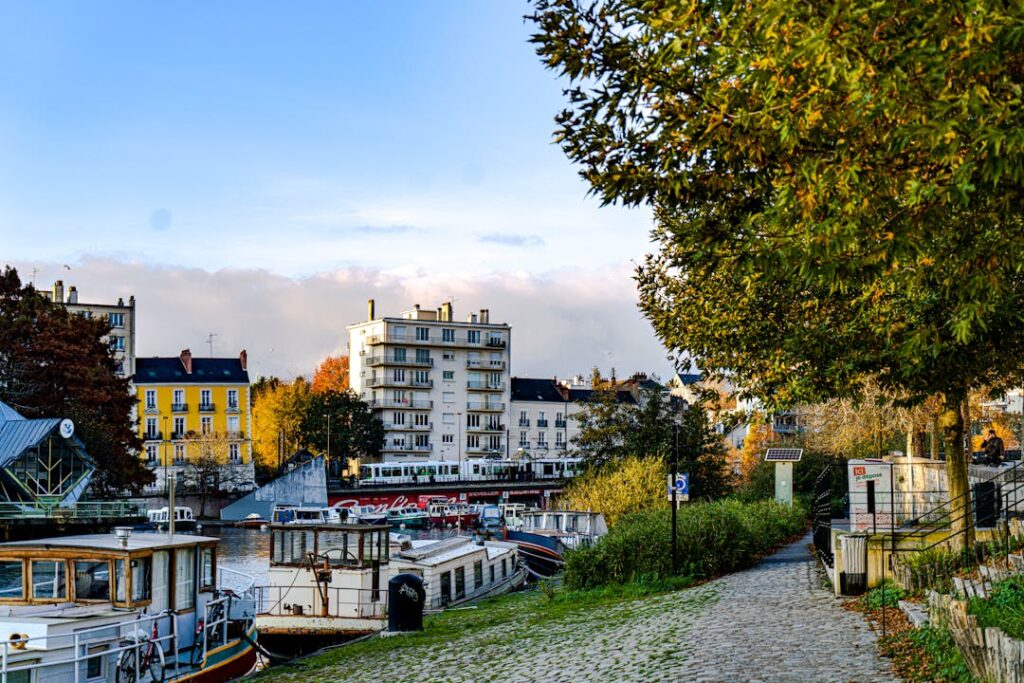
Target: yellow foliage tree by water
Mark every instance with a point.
(629, 485)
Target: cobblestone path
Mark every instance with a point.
(772, 623)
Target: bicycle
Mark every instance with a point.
(150, 659)
(206, 635)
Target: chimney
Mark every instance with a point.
(58, 292)
(370, 310)
(186, 360)
(73, 295)
(485, 315)
(244, 357)
(446, 311)
(120, 300)
(471, 318)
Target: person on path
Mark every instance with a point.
(994, 449)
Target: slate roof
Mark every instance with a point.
(688, 378)
(583, 395)
(204, 371)
(528, 389)
(17, 433)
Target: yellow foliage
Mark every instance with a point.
(275, 412)
(331, 375)
(632, 485)
(759, 436)
(1003, 431)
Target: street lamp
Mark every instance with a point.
(164, 444)
(458, 419)
(675, 467)
(328, 417)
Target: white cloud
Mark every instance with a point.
(563, 321)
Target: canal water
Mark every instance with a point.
(248, 550)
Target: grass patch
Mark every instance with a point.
(926, 655)
(1004, 608)
(887, 594)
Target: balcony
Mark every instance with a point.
(485, 450)
(406, 404)
(178, 435)
(436, 340)
(486, 428)
(524, 423)
(207, 407)
(485, 407)
(542, 424)
(233, 408)
(393, 427)
(152, 436)
(559, 424)
(409, 448)
(496, 343)
(485, 364)
(484, 386)
(379, 382)
(377, 361)
(236, 435)
(179, 407)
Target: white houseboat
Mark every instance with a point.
(327, 583)
(459, 569)
(121, 608)
(545, 535)
(184, 520)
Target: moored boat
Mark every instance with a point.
(409, 517)
(366, 514)
(252, 521)
(442, 512)
(121, 608)
(547, 534)
(159, 519)
(489, 517)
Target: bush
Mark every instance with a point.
(619, 488)
(713, 538)
(887, 594)
(1004, 607)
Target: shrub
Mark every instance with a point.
(713, 538)
(1004, 607)
(619, 488)
(888, 594)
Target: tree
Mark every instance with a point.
(207, 470)
(630, 485)
(278, 411)
(331, 375)
(837, 187)
(56, 364)
(353, 430)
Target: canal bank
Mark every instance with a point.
(773, 622)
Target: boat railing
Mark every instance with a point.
(216, 615)
(362, 603)
(237, 581)
(113, 639)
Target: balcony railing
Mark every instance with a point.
(206, 407)
(179, 407)
(542, 424)
(235, 434)
(524, 423)
(475, 385)
(153, 436)
(393, 427)
(432, 339)
(496, 343)
(497, 428)
(410, 448)
(376, 361)
(559, 424)
(486, 449)
(178, 435)
(485, 364)
(485, 406)
(376, 382)
(401, 403)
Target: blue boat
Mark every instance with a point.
(546, 535)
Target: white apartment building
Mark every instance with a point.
(121, 317)
(440, 386)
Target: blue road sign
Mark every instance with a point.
(682, 484)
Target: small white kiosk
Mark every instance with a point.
(783, 459)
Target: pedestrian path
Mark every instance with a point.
(772, 623)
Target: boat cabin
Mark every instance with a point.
(183, 517)
(573, 527)
(69, 602)
(289, 514)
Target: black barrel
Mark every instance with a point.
(405, 603)
(986, 504)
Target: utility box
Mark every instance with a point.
(854, 578)
(783, 459)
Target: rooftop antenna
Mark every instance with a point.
(209, 340)
(34, 272)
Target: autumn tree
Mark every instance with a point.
(57, 364)
(331, 375)
(630, 485)
(278, 411)
(342, 426)
(837, 187)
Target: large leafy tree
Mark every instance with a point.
(331, 375)
(353, 430)
(837, 186)
(56, 364)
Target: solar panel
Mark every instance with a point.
(783, 454)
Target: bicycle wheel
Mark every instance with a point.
(126, 667)
(157, 665)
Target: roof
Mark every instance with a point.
(584, 395)
(8, 413)
(136, 541)
(528, 389)
(18, 433)
(689, 378)
(204, 371)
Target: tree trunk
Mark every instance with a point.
(935, 447)
(951, 420)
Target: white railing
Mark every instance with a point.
(305, 601)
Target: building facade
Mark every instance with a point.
(195, 420)
(440, 386)
(120, 315)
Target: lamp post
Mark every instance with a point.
(675, 467)
(328, 417)
(458, 419)
(164, 444)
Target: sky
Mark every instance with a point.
(260, 169)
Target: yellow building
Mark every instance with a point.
(195, 421)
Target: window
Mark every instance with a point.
(524, 421)
(542, 421)
(422, 419)
(447, 438)
(423, 440)
(460, 582)
(504, 568)
(495, 359)
(150, 399)
(559, 438)
(11, 583)
(492, 573)
(142, 570)
(448, 396)
(205, 398)
(184, 578)
(179, 427)
(397, 418)
(48, 581)
(473, 336)
(422, 334)
(120, 576)
(233, 398)
(495, 442)
(93, 665)
(542, 439)
(423, 356)
(116, 342)
(472, 419)
(421, 377)
(523, 443)
(448, 335)
(398, 375)
(448, 418)
(179, 453)
(208, 568)
(161, 579)
(446, 588)
(478, 574)
(399, 355)
(448, 355)
(234, 452)
(494, 380)
(495, 339)
(92, 580)
(449, 375)
(473, 441)
(116, 319)
(234, 425)
(559, 420)
(151, 452)
(206, 424)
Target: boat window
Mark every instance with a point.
(161, 559)
(93, 665)
(478, 574)
(492, 573)
(11, 583)
(48, 580)
(446, 588)
(120, 581)
(504, 568)
(208, 568)
(92, 580)
(460, 582)
(142, 569)
(184, 578)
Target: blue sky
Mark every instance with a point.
(407, 139)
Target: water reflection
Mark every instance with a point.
(248, 550)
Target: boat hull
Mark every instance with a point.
(251, 523)
(411, 523)
(287, 637)
(225, 663)
(544, 555)
(465, 521)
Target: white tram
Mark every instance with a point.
(471, 470)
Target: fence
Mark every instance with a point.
(107, 509)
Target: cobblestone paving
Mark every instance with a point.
(772, 623)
